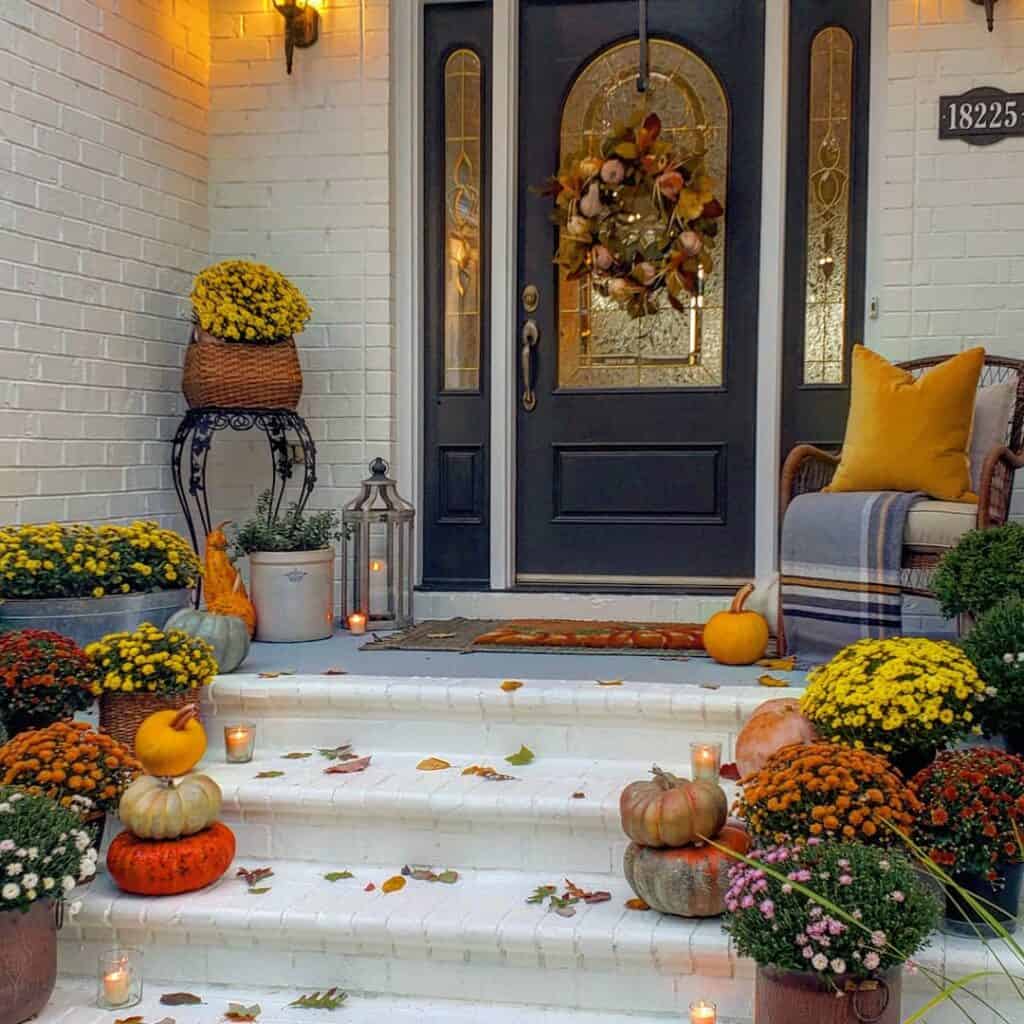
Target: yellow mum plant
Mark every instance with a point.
(248, 302)
(152, 660)
(896, 695)
(56, 560)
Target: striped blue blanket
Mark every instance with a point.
(841, 569)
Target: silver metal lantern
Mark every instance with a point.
(377, 554)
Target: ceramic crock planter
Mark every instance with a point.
(85, 619)
(28, 960)
(785, 997)
(1001, 899)
(293, 592)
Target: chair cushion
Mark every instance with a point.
(907, 434)
(993, 411)
(936, 525)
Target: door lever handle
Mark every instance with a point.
(529, 336)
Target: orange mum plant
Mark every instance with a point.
(829, 791)
(68, 762)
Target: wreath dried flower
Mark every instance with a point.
(827, 791)
(638, 219)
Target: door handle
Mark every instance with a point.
(528, 337)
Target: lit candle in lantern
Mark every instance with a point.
(357, 623)
(703, 1012)
(239, 743)
(705, 761)
(117, 985)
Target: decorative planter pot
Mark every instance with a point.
(28, 960)
(239, 375)
(960, 919)
(785, 997)
(85, 619)
(293, 592)
(121, 714)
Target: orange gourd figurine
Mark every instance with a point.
(737, 636)
(225, 591)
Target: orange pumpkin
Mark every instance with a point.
(737, 636)
(669, 811)
(167, 867)
(773, 725)
(690, 881)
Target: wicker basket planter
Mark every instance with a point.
(28, 960)
(239, 375)
(85, 619)
(121, 714)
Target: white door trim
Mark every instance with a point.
(874, 271)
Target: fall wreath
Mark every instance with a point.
(639, 219)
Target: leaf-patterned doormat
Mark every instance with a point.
(546, 636)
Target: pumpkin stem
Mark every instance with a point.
(189, 713)
(666, 780)
(741, 597)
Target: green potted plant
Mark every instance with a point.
(83, 581)
(985, 567)
(44, 677)
(871, 912)
(44, 854)
(969, 826)
(291, 570)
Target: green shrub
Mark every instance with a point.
(292, 530)
(996, 646)
(985, 567)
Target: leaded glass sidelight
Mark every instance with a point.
(599, 344)
(463, 102)
(828, 206)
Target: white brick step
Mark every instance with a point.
(477, 940)
(557, 718)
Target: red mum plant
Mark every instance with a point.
(44, 677)
(973, 810)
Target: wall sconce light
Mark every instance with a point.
(301, 26)
(989, 6)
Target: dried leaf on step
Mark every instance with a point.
(511, 685)
(778, 664)
(296, 755)
(432, 764)
(485, 771)
(575, 892)
(259, 892)
(337, 876)
(329, 1000)
(541, 893)
(440, 636)
(180, 999)
(394, 884)
(335, 672)
(524, 755)
(710, 686)
(129, 1020)
(342, 752)
(167, 1020)
(767, 680)
(274, 675)
(599, 896)
(253, 876)
(369, 887)
(609, 682)
(636, 904)
(448, 877)
(579, 796)
(269, 775)
(242, 1013)
(358, 764)
(730, 772)
(565, 909)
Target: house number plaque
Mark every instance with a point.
(981, 116)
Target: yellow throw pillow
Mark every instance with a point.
(904, 434)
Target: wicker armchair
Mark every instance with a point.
(808, 469)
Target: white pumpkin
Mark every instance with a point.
(227, 634)
(153, 808)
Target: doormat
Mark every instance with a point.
(546, 636)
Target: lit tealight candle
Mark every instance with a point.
(376, 565)
(239, 743)
(703, 1012)
(117, 985)
(357, 623)
(705, 760)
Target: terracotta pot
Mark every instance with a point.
(293, 592)
(28, 960)
(789, 997)
(1001, 900)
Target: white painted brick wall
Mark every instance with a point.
(103, 220)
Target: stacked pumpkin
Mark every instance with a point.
(173, 842)
(670, 864)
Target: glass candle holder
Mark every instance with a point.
(119, 983)
(357, 623)
(705, 761)
(703, 1012)
(239, 742)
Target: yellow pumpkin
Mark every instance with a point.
(171, 742)
(153, 808)
(736, 636)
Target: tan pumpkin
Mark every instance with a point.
(669, 811)
(689, 881)
(737, 636)
(153, 808)
(171, 742)
(773, 725)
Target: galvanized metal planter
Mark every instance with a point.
(86, 619)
